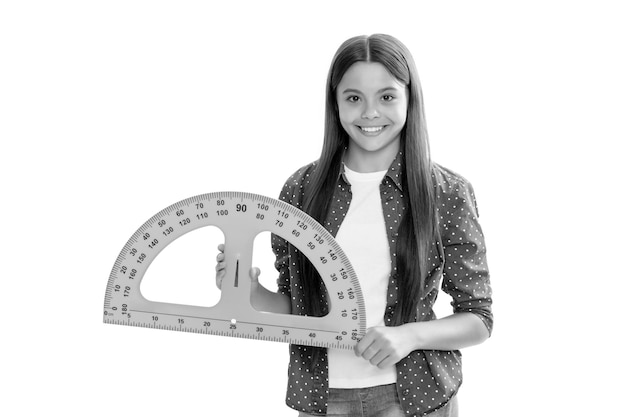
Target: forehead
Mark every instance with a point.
(367, 76)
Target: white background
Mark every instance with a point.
(113, 110)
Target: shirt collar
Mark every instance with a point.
(394, 173)
(395, 170)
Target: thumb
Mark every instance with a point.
(254, 274)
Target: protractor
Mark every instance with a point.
(241, 217)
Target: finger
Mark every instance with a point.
(388, 361)
(220, 247)
(254, 274)
(220, 272)
(220, 257)
(364, 344)
(371, 352)
(379, 358)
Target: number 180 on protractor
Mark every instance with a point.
(241, 217)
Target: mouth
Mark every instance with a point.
(371, 129)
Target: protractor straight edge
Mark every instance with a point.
(241, 216)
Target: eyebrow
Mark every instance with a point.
(354, 90)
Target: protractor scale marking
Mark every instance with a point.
(241, 217)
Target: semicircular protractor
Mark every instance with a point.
(241, 217)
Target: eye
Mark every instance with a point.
(353, 99)
(387, 97)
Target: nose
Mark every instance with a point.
(370, 111)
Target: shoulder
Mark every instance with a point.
(452, 189)
(294, 186)
(447, 180)
(301, 175)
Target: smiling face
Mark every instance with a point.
(372, 110)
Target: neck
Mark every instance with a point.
(363, 161)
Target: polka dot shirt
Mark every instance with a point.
(426, 380)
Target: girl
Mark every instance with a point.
(408, 227)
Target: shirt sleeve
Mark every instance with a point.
(291, 193)
(279, 246)
(281, 252)
(466, 274)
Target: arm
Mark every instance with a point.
(465, 279)
(385, 346)
(457, 331)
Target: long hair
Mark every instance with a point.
(415, 237)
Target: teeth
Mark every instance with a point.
(371, 129)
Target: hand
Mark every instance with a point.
(220, 271)
(220, 268)
(384, 346)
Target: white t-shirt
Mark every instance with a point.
(363, 237)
